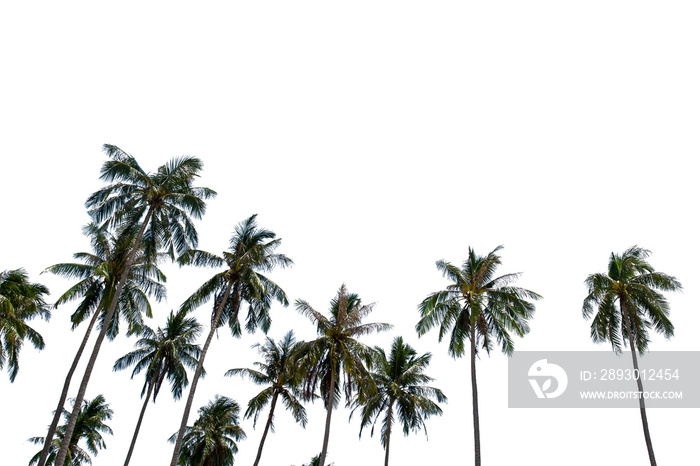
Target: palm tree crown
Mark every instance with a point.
(477, 301)
(630, 289)
(20, 301)
(336, 352)
(401, 384)
(251, 252)
(89, 428)
(164, 353)
(165, 200)
(212, 439)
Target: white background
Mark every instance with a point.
(375, 137)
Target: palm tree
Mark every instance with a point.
(336, 357)
(634, 285)
(20, 301)
(212, 439)
(315, 461)
(477, 306)
(97, 280)
(400, 382)
(281, 375)
(89, 427)
(163, 354)
(251, 251)
(158, 207)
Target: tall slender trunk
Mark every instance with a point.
(64, 393)
(642, 406)
(475, 401)
(267, 427)
(327, 432)
(197, 373)
(388, 434)
(138, 424)
(60, 459)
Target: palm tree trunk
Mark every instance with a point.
(64, 393)
(329, 411)
(267, 427)
(60, 459)
(197, 373)
(642, 407)
(388, 434)
(475, 401)
(138, 425)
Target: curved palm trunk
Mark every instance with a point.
(64, 393)
(197, 373)
(475, 402)
(60, 459)
(138, 425)
(267, 427)
(642, 406)
(388, 434)
(327, 432)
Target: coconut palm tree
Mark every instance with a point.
(477, 307)
(251, 252)
(401, 384)
(212, 439)
(158, 207)
(97, 280)
(281, 376)
(627, 303)
(98, 276)
(88, 428)
(163, 354)
(336, 357)
(315, 461)
(20, 301)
